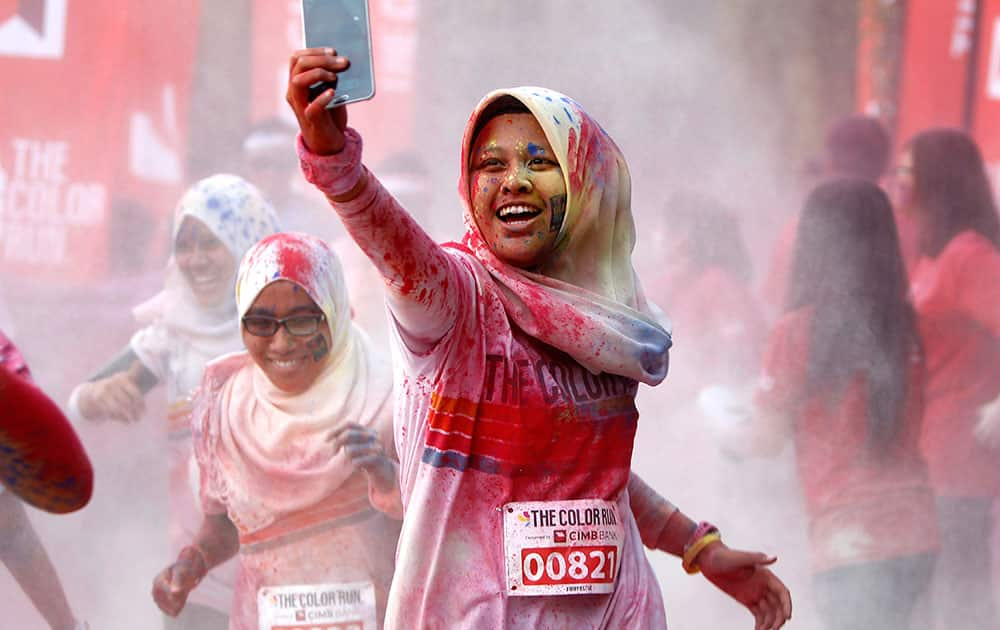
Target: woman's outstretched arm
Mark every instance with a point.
(424, 284)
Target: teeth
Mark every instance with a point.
(285, 365)
(514, 210)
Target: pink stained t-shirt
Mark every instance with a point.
(957, 297)
(487, 415)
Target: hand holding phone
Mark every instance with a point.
(344, 26)
(322, 127)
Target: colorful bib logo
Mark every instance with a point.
(33, 28)
(525, 518)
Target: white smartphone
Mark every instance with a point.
(345, 26)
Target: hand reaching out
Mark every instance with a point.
(365, 450)
(117, 397)
(173, 585)
(744, 576)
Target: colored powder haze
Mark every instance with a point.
(681, 96)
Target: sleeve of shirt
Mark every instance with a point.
(651, 511)
(151, 344)
(421, 278)
(203, 414)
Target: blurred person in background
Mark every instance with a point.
(295, 447)
(843, 376)
(941, 183)
(42, 462)
(190, 322)
(269, 161)
(701, 274)
(856, 145)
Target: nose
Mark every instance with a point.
(282, 341)
(517, 181)
(197, 256)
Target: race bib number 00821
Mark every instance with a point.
(562, 547)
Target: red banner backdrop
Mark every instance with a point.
(94, 112)
(986, 121)
(385, 121)
(938, 39)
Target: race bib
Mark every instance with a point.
(562, 547)
(317, 607)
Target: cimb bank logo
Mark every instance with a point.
(33, 28)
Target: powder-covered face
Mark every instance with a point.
(291, 363)
(205, 262)
(517, 190)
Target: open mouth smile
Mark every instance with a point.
(517, 214)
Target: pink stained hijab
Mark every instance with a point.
(586, 300)
(276, 444)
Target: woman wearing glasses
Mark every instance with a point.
(190, 322)
(293, 441)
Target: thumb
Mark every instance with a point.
(752, 559)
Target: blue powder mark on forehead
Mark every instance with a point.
(534, 149)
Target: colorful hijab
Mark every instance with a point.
(277, 443)
(239, 216)
(586, 300)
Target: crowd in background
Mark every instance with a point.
(871, 344)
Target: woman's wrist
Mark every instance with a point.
(703, 536)
(194, 557)
(337, 175)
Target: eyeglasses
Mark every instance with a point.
(296, 325)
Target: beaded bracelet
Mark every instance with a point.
(704, 535)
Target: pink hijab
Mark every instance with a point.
(275, 444)
(586, 300)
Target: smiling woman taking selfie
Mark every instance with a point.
(293, 441)
(519, 352)
(190, 322)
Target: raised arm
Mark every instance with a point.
(423, 282)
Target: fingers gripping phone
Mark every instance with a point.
(343, 25)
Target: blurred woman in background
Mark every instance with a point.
(702, 278)
(942, 185)
(191, 321)
(843, 377)
(295, 448)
